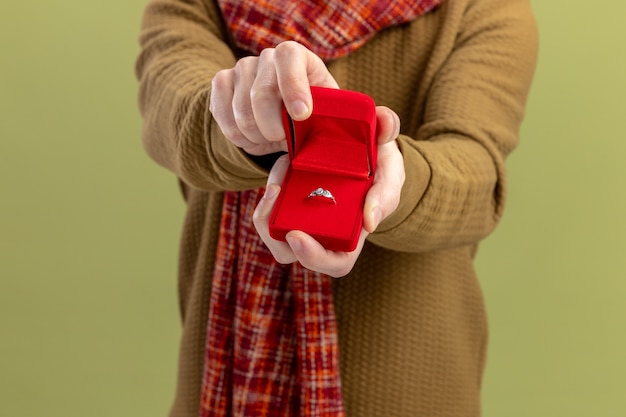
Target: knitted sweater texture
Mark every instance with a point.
(411, 316)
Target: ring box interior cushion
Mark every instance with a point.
(335, 150)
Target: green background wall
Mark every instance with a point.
(89, 226)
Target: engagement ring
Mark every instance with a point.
(321, 192)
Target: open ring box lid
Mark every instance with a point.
(334, 149)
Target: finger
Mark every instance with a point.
(222, 91)
(312, 255)
(245, 74)
(297, 69)
(384, 196)
(281, 251)
(387, 125)
(278, 171)
(266, 100)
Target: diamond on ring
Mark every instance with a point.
(324, 193)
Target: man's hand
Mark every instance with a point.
(381, 200)
(247, 100)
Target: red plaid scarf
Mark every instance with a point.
(271, 347)
(271, 338)
(329, 28)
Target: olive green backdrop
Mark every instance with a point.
(89, 226)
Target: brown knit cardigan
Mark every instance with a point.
(412, 325)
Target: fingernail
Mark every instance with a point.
(295, 243)
(299, 110)
(271, 191)
(377, 213)
(396, 126)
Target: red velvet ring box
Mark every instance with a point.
(333, 159)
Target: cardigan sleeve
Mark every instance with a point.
(182, 47)
(455, 189)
